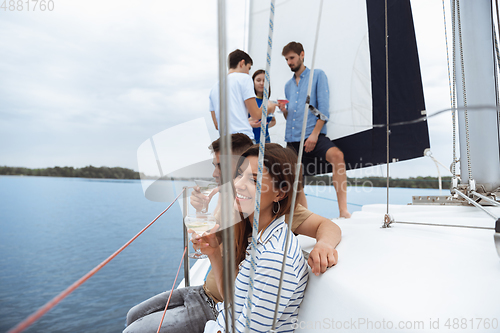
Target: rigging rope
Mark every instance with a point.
(52, 303)
(173, 286)
(454, 38)
(426, 117)
(297, 168)
(464, 90)
(263, 126)
(444, 225)
(387, 95)
(452, 97)
(497, 52)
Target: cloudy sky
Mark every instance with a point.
(89, 82)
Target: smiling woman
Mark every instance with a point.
(277, 180)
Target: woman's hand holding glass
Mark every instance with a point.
(199, 225)
(207, 243)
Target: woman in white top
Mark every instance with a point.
(277, 184)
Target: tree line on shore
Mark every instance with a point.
(86, 172)
(124, 173)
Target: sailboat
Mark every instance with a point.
(432, 265)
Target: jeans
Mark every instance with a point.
(188, 311)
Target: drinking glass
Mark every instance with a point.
(198, 225)
(206, 187)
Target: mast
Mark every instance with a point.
(478, 129)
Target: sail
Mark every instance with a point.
(351, 51)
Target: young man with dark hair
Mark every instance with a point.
(236, 56)
(241, 95)
(198, 302)
(316, 145)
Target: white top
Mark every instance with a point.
(269, 256)
(240, 88)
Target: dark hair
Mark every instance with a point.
(238, 55)
(280, 164)
(258, 72)
(239, 143)
(292, 47)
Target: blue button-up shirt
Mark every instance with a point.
(296, 96)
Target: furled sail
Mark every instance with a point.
(351, 51)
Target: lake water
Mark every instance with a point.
(55, 230)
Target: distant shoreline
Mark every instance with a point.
(412, 182)
(91, 172)
(85, 172)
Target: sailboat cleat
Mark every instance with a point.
(388, 220)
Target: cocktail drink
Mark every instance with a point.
(206, 188)
(199, 225)
(282, 102)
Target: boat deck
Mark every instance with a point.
(408, 277)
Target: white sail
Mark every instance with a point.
(343, 53)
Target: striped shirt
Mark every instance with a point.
(269, 256)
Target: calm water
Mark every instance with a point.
(54, 230)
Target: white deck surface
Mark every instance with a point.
(425, 278)
(410, 273)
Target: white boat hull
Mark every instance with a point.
(408, 277)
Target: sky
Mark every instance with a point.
(89, 82)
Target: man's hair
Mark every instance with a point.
(258, 72)
(238, 55)
(292, 47)
(239, 143)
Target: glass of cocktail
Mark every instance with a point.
(206, 188)
(199, 224)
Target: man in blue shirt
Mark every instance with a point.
(316, 145)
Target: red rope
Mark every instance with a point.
(48, 306)
(171, 290)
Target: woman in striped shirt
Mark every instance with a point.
(277, 184)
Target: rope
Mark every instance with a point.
(454, 103)
(387, 95)
(469, 200)
(297, 168)
(497, 52)
(173, 286)
(263, 126)
(426, 117)
(464, 91)
(52, 303)
(444, 225)
(452, 99)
